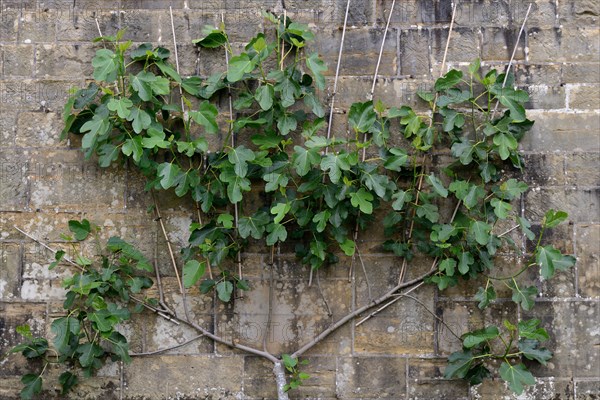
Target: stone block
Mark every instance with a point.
(371, 377)
(361, 49)
(38, 129)
(9, 24)
(406, 328)
(579, 12)
(425, 380)
(461, 317)
(544, 169)
(414, 53)
(581, 72)
(184, 376)
(527, 74)
(61, 180)
(18, 60)
(572, 327)
(64, 61)
(498, 44)
(587, 238)
(562, 131)
(464, 46)
(8, 124)
(545, 97)
(79, 24)
(38, 26)
(14, 187)
(587, 390)
(543, 389)
(581, 169)
(584, 97)
(562, 44)
(577, 203)
(10, 270)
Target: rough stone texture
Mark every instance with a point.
(45, 49)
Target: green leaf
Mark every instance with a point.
(335, 164)
(348, 247)
(506, 143)
(33, 386)
(140, 119)
(213, 40)
(311, 101)
(107, 153)
(437, 185)
(235, 185)
(400, 198)
(63, 328)
(473, 196)
(97, 126)
(447, 81)
(168, 172)
(206, 116)
(516, 376)
(362, 116)
(58, 256)
(304, 159)
(81, 230)
(524, 297)
(192, 272)
(452, 96)
(84, 97)
(485, 296)
(549, 258)
(321, 219)
(239, 157)
(532, 352)
(67, 380)
(156, 138)
(501, 208)
(448, 265)
(396, 161)
(133, 146)
(477, 337)
(465, 260)
(119, 346)
(288, 361)
(511, 189)
(452, 119)
(317, 67)
(105, 65)
(277, 234)
(211, 85)
(525, 225)
(362, 199)
(511, 99)
(169, 71)
(428, 211)
(459, 364)
(141, 83)
(89, 352)
(529, 329)
(226, 220)
(253, 226)
(238, 66)
(264, 96)
(480, 231)
(463, 150)
(286, 123)
(224, 290)
(554, 218)
(280, 210)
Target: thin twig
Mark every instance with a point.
(394, 298)
(357, 312)
(365, 273)
(161, 294)
(329, 313)
(149, 353)
(337, 75)
(370, 97)
(176, 58)
(235, 206)
(270, 305)
(448, 40)
(169, 247)
(508, 231)
(512, 57)
(435, 316)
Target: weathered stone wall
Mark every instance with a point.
(45, 49)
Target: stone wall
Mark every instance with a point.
(45, 49)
